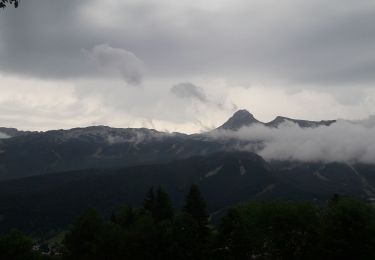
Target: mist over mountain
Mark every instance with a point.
(242, 159)
(6, 132)
(243, 118)
(283, 139)
(286, 139)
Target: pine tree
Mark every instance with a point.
(163, 206)
(149, 202)
(124, 216)
(85, 239)
(158, 204)
(196, 206)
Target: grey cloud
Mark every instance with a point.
(301, 43)
(44, 39)
(189, 90)
(114, 61)
(290, 45)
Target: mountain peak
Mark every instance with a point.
(242, 113)
(239, 119)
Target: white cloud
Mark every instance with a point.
(341, 142)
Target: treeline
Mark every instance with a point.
(344, 229)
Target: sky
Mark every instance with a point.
(184, 65)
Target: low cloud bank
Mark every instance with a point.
(343, 141)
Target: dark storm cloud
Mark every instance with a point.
(297, 42)
(43, 38)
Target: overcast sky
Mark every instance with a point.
(184, 65)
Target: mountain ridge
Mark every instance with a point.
(241, 118)
(33, 153)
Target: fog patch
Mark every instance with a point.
(342, 141)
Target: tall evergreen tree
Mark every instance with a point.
(163, 206)
(196, 206)
(124, 216)
(159, 205)
(149, 202)
(85, 240)
(187, 242)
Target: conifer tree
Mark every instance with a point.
(85, 239)
(124, 216)
(163, 206)
(158, 204)
(196, 206)
(149, 202)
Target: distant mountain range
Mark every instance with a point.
(32, 153)
(12, 132)
(48, 178)
(243, 118)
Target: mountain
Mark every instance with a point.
(53, 201)
(241, 118)
(12, 132)
(301, 123)
(94, 147)
(33, 153)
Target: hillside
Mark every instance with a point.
(52, 201)
(32, 153)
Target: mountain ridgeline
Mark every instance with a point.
(33, 153)
(50, 177)
(243, 118)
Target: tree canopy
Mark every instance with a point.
(344, 229)
(5, 3)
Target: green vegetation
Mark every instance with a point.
(16, 246)
(345, 229)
